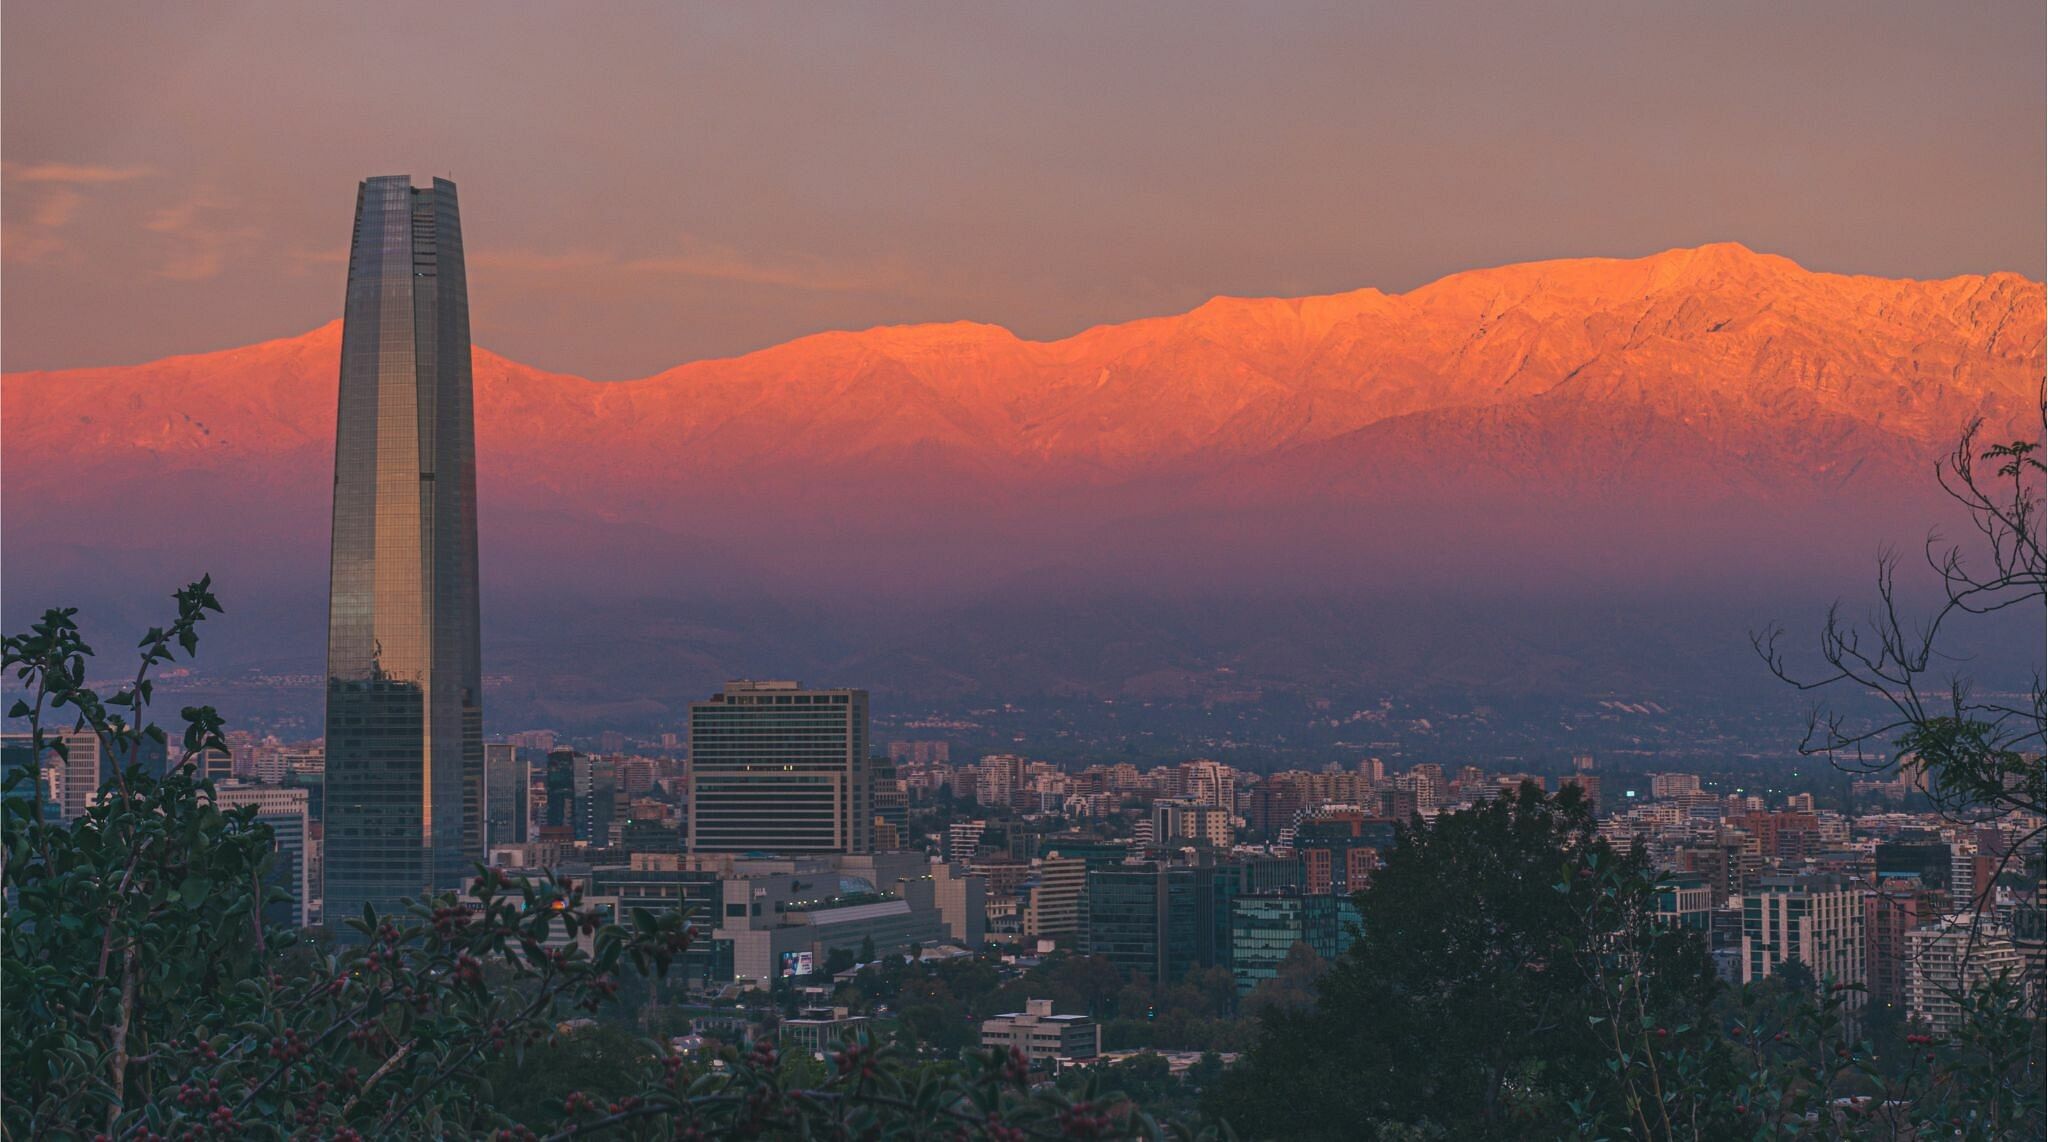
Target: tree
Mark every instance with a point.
(1294, 984)
(836, 961)
(1980, 753)
(146, 998)
(1466, 1004)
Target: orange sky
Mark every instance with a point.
(672, 182)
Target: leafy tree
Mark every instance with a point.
(1293, 986)
(1513, 922)
(601, 1061)
(1466, 1005)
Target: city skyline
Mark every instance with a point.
(1306, 533)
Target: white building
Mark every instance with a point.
(72, 782)
(1946, 960)
(1043, 1036)
(285, 810)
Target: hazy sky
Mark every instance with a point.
(646, 184)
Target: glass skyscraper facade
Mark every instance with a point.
(404, 798)
(1152, 919)
(508, 785)
(1264, 929)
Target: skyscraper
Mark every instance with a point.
(781, 769)
(404, 799)
(507, 787)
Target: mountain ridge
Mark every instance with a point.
(1686, 419)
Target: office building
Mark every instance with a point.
(780, 769)
(1159, 920)
(405, 755)
(1041, 1036)
(560, 790)
(506, 784)
(1264, 930)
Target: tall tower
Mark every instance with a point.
(404, 799)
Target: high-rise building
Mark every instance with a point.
(1896, 906)
(405, 755)
(506, 783)
(1949, 959)
(1189, 820)
(963, 839)
(284, 811)
(1587, 783)
(1054, 897)
(1663, 785)
(1815, 918)
(777, 768)
(560, 814)
(1157, 920)
(215, 765)
(1339, 850)
(1265, 928)
(597, 798)
(71, 782)
(890, 805)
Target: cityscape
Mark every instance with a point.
(1408, 714)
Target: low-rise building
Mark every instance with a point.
(1042, 1036)
(815, 1029)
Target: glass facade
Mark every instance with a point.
(404, 682)
(1264, 929)
(1154, 920)
(507, 785)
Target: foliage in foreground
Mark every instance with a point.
(146, 997)
(1512, 980)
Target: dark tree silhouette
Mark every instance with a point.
(1980, 753)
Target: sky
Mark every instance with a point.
(646, 184)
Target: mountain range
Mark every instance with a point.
(1294, 490)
